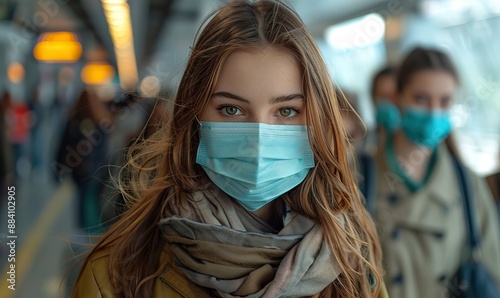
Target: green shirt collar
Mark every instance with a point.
(393, 164)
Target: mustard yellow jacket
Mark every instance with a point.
(171, 282)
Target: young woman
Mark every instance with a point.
(419, 208)
(246, 190)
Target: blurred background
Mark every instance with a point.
(80, 78)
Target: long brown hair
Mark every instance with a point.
(161, 170)
(420, 59)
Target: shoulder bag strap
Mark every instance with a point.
(473, 235)
(368, 186)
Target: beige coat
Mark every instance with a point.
(423, 234)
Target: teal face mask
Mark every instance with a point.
(388, 115)
(425, 127)
(254, 162)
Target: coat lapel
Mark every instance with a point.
(425, 210)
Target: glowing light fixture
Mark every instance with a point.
(97, 73)
(117, 14)
(357, 33)
(15, 72)
(150, 86)
(58, 47)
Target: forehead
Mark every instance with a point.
(385, 85)
(433, 80)
(385, 80)
(267, 71)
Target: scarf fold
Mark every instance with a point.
(215, 244)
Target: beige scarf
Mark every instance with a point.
(221, 246)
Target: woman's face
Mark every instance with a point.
(260, 86)
(385, 88)
(429, 89)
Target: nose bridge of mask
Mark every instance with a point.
(384, 102)
(256, 141)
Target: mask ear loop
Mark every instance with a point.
(199, 122)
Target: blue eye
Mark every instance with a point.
(288, 112)
(230, 110)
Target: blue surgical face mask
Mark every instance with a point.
(388, 116)
(254, 162)
(424, 127)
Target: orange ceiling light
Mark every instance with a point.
(58, 47)
(117, 14)
(97, 73)
(15, 72)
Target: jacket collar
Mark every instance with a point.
(427, 208)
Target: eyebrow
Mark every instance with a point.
(275, 100)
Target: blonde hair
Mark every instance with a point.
(161, 170)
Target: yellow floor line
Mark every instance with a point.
(33, 241)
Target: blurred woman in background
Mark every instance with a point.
(383, 92)
(419, 208)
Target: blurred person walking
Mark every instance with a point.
(6, 166)
(388, 120)
(82, 151)
(19, 121)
